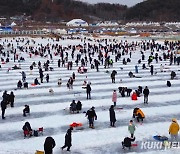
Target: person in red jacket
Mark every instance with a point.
(134, 96)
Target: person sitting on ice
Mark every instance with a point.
(127, 142)
(84, 84)
(27, 127)
(59, 82)
(2, 60)
(26, 85)
(131, 75)
(19, 84)
(26, 110)
(144, 66)
(73, 106)
(15, 67)
(79, 70)
(173, 75)
(82, 70)
(22, 59)
(138, 114)
(134, 95)
(36, 82)
(78, 106)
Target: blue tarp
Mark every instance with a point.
(6, 29)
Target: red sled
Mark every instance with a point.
(75, 124)
(32, 84)
(134, 145)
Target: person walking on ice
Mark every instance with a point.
(68, 139)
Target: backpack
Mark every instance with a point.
(35, 133)
(168, 83)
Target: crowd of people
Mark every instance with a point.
(94, 56)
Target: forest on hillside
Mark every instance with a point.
(46, 10)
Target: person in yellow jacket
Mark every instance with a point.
(174, 129)
(138, 113)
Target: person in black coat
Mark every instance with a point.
(47, 78)
(49, 144)
(113, 77)
(127, 142)
(78, 106)
(173, 75)
(5, 97)
(112, 116)
(113, 74)
(73, 106)
(3, 108)
(36, 82)
(59, 63)
(88, 91)
(152, 69)
(26, 110)
(91, 115)
(68, 139)
(41, 77)
(73, 76)
(97, 64)
(19, 84)
(146, 93)
(131, 75)
(11, 98)
(26, 85)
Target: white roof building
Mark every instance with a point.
(107, 23)
(60, 31)
(77, 23)
(13, 24)
(143, 24)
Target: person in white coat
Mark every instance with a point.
(161, 68)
